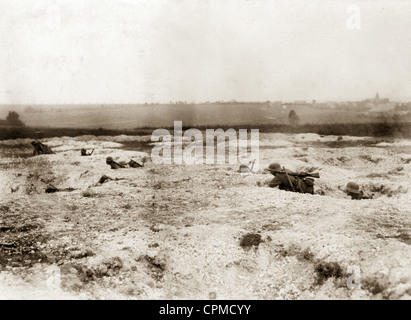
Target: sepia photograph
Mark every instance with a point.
(205, 150)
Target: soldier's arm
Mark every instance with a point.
(274, 183)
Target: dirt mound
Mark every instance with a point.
(327, 270)
(250, 239)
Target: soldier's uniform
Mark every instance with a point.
(41, 148)
(353, 190)
(286, 180)
(281, 181)
(356, 196)
(134, 164)
(84, 152)
(113, 164)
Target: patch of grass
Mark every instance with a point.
(250, 239)
(16, 151)
(376, 286)
(370, 159)
(343, 159)
(25, 228)
(4, 147)
(384, 190)
(23, 253)
(323, 270)
(89, 194)
(156, 266)
(404, 237)
(38, 176)
(72, 207)
(305, 255)
(82, 254)
(396, 170)
(127, 206)
(158, 185)
(377, 175)
(345, 143)
(19, 243)
(326, 270)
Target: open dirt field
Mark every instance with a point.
(204, 231)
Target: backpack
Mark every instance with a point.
(305, 185)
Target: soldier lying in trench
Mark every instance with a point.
(41, 148)
(353, 190)
(85, 153)
(290, 181)
(114, 165)
(131, 163)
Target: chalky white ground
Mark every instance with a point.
(189, 220)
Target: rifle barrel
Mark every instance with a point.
(313, 175)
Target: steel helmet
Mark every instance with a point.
(109, 160)
(352, 187)
(274, 167)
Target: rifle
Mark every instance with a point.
(132, 162)
(91, 152)
(252, 166)
(298, 181)
(245, 166)
(289, 181)
(299, 175)
(304, 174)
(44, 148)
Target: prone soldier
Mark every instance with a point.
(85, 153)
(113, 164)
(352, 189)
(135, 164)
(291, 181)
(40, 148)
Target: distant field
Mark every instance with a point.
(160, 115)
(143, 119)
(376, 129)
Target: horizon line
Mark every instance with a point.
(203, 102)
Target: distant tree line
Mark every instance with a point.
(12, 120)
(30, 109)
(293, 118)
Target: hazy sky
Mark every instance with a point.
(126, 51)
